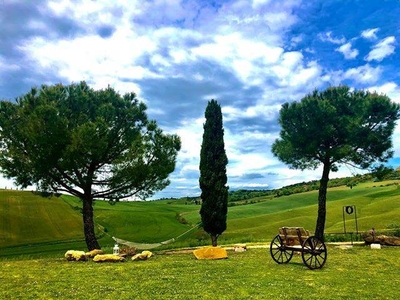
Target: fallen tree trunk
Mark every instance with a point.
(371, 237)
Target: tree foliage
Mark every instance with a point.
(91, 144)
(213, 179)
(333, 127)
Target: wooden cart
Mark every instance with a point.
(290, 239)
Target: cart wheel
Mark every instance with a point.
(314, 253)
(278, 252)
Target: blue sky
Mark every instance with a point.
(251, 56)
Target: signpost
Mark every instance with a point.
(349, 210)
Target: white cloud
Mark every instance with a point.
(89, 13)
(98, 60)
(363, 74)
(264, 111)
(370, 33)
(243, 15)
(250, 59)
(327, 37)
(360, 75)
(103, 62)
(392, 90)
(293, 72)
(234, 47)
(347, 51)
(5, 66)
(306, 76)
(294, 41)
(257, 3)
(9, 184)
(381, 50)
(6, 183)
(290, 62)
(191, 134)
(396, 141)
(246, 162)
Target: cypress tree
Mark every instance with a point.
(213, 179)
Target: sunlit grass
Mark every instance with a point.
(356, 273)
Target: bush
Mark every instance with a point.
(394, 229)
(128, 251)
(181, 219)
(342, 237)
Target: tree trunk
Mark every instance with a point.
(323, 186)
(214, 239)
(88, 224)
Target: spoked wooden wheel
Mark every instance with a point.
(278, 252)
(314, 253)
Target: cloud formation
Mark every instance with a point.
(250, 55)
(382, 49)
(370, 33)
(347, 51)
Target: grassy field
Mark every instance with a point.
(35, 233)
(356, 273)
(31, 224)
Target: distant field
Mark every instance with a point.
(33, 224)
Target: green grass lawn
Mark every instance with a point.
(35, 233)
(356, 273)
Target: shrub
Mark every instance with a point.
(394, 229)
(128, 251)
(342, 237)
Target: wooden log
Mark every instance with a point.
(371, 237)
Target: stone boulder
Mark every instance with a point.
(142, 256)
(74, 255)
(94, 252)
(108, 258)
(210, 253)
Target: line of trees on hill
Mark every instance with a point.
(236, 196)
(382, 173)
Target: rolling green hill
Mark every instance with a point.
(29, 221)
(30, 218)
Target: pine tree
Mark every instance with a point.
(336, 127)
(93, 144)
(213, 179)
